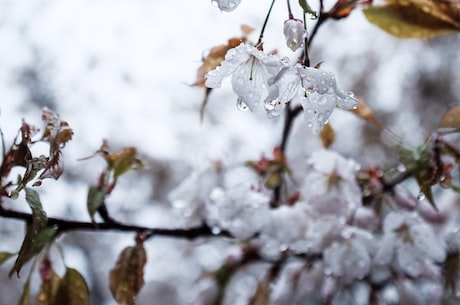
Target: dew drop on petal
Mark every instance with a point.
(285, 60)
(421, 196)
(241, 105)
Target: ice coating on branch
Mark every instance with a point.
(226, 5)
(251, 71)
(330, 186)
(294, 32)
(411, 242)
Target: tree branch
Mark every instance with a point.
(64, 225)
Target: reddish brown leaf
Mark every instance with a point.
(451, 118)
(366, 113)
(127, 277)
(327, 135)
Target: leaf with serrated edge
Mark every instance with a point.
(48, 290)
(451, 119)
(4, 256)
(73, 289)
(127, 277)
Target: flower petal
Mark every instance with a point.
(317, 109)
(233, 59)
(226, 5)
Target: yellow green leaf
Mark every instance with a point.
(48, 290)
(127, 277)
(72, 289)
(451, 118)
(25, 296)
(4, 256)
(410, 19)
(96, 197)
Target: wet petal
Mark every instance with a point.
(226, 5)
(317, 109)
(233, 59)
(250, 83)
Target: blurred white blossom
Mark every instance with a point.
(330, 186)
(251, 71)
(189, 198)
(294, 32)
(350, 257)
(238, 206)
(226, 5)
(411, 242)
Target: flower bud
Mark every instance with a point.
(294, 32)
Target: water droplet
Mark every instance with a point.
(241, 105)
(421, 196)
(327, 271)
(271, 105)
(285, 60)
(310, 124)
(216, 230)
(401, 168)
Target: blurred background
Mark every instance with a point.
(122, 71)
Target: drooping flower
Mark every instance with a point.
(317, 90)
(411, 242)
(226, 5)
(294, 32)
(252, 71)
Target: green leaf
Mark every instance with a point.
(307, 9)
(73, 289)
(4, 256)
(48, 289)
(409, 19)
(127, 277)
(96, 197)
(34, 241)
(25, 296)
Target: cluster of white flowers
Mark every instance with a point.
(328, 220)
(260, 77)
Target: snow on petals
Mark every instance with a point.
(413, 242)
(226, 5)
(251, 71)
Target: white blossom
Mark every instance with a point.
(316, 89)
(189, 198)
(226, 5)
(252, 71)
(237, 206)
(411, 242)
(350, 257)
(322, 96)
(294, 31)
(330, 186)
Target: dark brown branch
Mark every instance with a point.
(64, 225)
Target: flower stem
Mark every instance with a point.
(291, 16)
(259, 42)
(306, 57)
